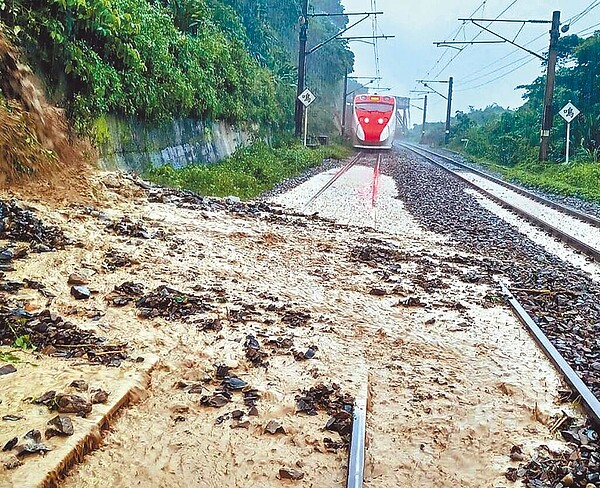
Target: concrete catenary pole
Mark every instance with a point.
(303, 37)
(548, 113)
(424, 120)
(344, 104)
(449, 110)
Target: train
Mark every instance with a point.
(373, 121)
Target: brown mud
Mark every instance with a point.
(248, 309)
(38, 149)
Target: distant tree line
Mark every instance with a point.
(512, 136)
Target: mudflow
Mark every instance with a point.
(266, 324)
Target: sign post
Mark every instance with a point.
(569, 112)
(306, 97)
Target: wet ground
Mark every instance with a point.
(266, 323)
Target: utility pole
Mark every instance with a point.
(345, 102)
(424, 120)
(303, 53)
(448, 98)
(303, 37)
(449, 110)
(548, 114)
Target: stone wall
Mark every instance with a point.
(129, 144)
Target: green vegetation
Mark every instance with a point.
(230, 60)
(9, 357)
(507, 141)
(249, 172)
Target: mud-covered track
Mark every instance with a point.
(588, 399)
(577, 244)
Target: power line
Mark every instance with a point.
(474, 38)
(469, 80)
(498, 77)
(583, 13)
(454, 36)
(502, 58)
(585, 31)
(375, 41)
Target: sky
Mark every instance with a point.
(483, 73)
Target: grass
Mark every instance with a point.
(247, 173)
(577, 179)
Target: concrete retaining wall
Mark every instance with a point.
(129, 144)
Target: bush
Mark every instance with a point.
(247, 173)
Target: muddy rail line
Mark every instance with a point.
(362, 157)
(588, 400)
(564, 236)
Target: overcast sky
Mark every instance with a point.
(483, 74)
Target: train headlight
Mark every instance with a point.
(380, 121)
(367, 120)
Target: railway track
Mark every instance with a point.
(564, 223)
(586, 397)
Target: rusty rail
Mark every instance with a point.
(588, 399)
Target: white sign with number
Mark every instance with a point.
(307, 97)
(569, 112)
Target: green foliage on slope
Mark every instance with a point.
(229, 60)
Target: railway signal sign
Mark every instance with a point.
(307, 97)
(569, 112)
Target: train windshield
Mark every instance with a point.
(374, 107)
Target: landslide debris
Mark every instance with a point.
(172, 304)
(19, 224)
(52, 335)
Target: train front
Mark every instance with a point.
(374, 121)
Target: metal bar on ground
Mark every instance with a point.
(590, 402)
(356, 457)
(334, 179)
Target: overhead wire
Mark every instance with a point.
(496, 61)
(583, 13)
(474, 38)
(587, 30)
(470, 79)
(375, 42)
(454, 36)
(527, 61)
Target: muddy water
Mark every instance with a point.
(453, 387)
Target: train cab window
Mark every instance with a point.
(374, 107)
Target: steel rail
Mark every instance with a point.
(555, 232)
(587, 218)
(356, 455)
(588, 399)
(335, 177)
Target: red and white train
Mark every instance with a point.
(374, 121)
